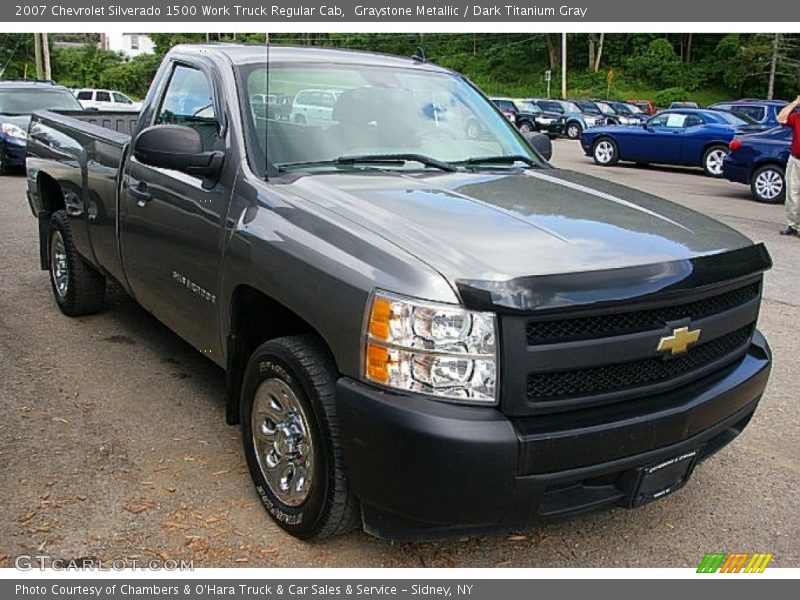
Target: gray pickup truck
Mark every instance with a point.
(425, 331)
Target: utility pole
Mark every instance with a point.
(773, 66)
(37, 48)
(46, 55)
(563, 66)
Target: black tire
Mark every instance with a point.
(768, 184)
(77, 288)
(605, 152)
(574, 131)
(303, 366)
(712, 163)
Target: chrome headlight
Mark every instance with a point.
(592, 120)
(14, 131)
(437, 349)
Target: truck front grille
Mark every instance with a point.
(607, 325)
(649, 371)
(586, 357)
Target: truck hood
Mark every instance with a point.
(496, 226)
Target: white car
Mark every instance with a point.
(105, 100)
(313, 107)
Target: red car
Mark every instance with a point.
(647, 107)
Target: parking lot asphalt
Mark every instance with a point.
(113, 443)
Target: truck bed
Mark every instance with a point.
(83, 151)
(95, 123)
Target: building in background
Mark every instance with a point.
(128, 44)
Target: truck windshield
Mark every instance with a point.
(24, 102)
(328, 115)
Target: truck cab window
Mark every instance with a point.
(189, 101)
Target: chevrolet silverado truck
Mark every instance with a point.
(423, 333)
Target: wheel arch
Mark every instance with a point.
(604, 136)
(255, 317)
(51, 199)
(708, 145)
(764, 162)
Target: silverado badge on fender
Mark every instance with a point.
(679, 341)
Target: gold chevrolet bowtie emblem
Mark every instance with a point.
(679, 341)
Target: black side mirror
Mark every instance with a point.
(541, 143)
(179, 148)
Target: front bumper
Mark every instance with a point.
(13, 154)
(554, 128)
(425, 469)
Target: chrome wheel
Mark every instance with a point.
(525, 128)
(282, 440)
(714, 161)
(604, 152)
(59, 269)
(768, 184)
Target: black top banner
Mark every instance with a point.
(393, 11)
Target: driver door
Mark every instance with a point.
(662, 138)
(172, 224)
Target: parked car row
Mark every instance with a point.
(740, 140)
(683, 136)
(567, 117)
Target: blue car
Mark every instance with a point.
(686, 136)
(18, 99)
(764, 112)
(759, 160)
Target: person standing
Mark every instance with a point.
(789, 118)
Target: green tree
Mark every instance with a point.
(658, 65)
(82, 67)
(132, 77)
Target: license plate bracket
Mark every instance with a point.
(663, 478)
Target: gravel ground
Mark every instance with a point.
(114, 444)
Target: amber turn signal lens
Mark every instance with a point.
(378, 361)
(379, 318)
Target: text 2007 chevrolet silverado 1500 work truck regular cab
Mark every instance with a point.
(423, 332)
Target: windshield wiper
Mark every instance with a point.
(379, 159)
(503, 159)
(428, 161)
